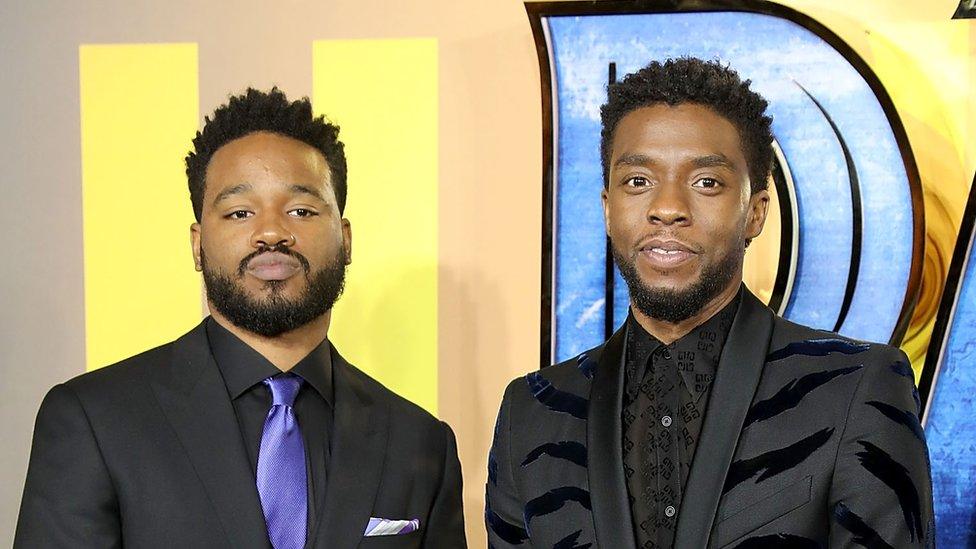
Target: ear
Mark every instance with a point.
(758, 208)
(605, 199)
(195, 246)
(347, 239)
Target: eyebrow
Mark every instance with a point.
(231, 191)
(302, 189)
(245, 187)
(708, 161)
(634, 159)
(713, 161)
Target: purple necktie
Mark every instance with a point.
(281, 467)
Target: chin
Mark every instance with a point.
(670, 281)
(272, 288)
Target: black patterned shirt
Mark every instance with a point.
(666, 389)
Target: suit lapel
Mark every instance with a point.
(735, 384)
(608, 489)
(194, 399)
(359, 446)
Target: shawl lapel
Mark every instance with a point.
(193, 397)
(735, 385)
(608, 488)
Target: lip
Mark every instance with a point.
(666, 254)
(273, 266)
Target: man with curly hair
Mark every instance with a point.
(250, 431)
(706, 420)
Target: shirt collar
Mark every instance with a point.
(696, 354)
(242, 367)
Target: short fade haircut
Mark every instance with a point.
(706, 83)
(258, 111)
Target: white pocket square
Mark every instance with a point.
(390, 527)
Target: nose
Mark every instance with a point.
(270, 232)
(668, 205)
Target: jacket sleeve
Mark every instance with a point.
(69, 499)
(503, 506)
(881, 492)
(445, 527)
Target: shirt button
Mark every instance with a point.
(666, 421)
(666, 354)
(669, 511)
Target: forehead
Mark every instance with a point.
(683, 129)
(265, 157)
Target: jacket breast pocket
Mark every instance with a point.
(762, 512)
(403, 541)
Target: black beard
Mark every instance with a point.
(274, 315)
(674, 306)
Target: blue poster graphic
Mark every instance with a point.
(950, 421)
(794, 70)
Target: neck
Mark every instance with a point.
(284, 350)
(667, 332)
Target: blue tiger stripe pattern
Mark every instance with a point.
(569, 450)
(877, 462)
(779, 541)
(569, 542)
(775, 462)
(818, 347)
(554, 399)
(792, 393)
(492, 468)
(863, 534)
(554, 500)
(904, 370)
(492, 459)
(905, 418)
(508, 532)
(586, 365)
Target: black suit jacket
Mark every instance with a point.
(809, 440)
(148, 453)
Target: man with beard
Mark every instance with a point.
(250, 431)
(706, 420)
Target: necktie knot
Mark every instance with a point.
(284, 388)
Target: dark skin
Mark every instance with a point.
(262, 190)
(679, 199)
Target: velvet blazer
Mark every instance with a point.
(809, 440)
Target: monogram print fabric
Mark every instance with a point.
(665, 395)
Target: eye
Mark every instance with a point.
(637, 181)
(302, 212)
(239, 214)
(707, 183)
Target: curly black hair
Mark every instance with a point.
(692, 80)
(258, 111)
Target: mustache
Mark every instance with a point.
(283, 250)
